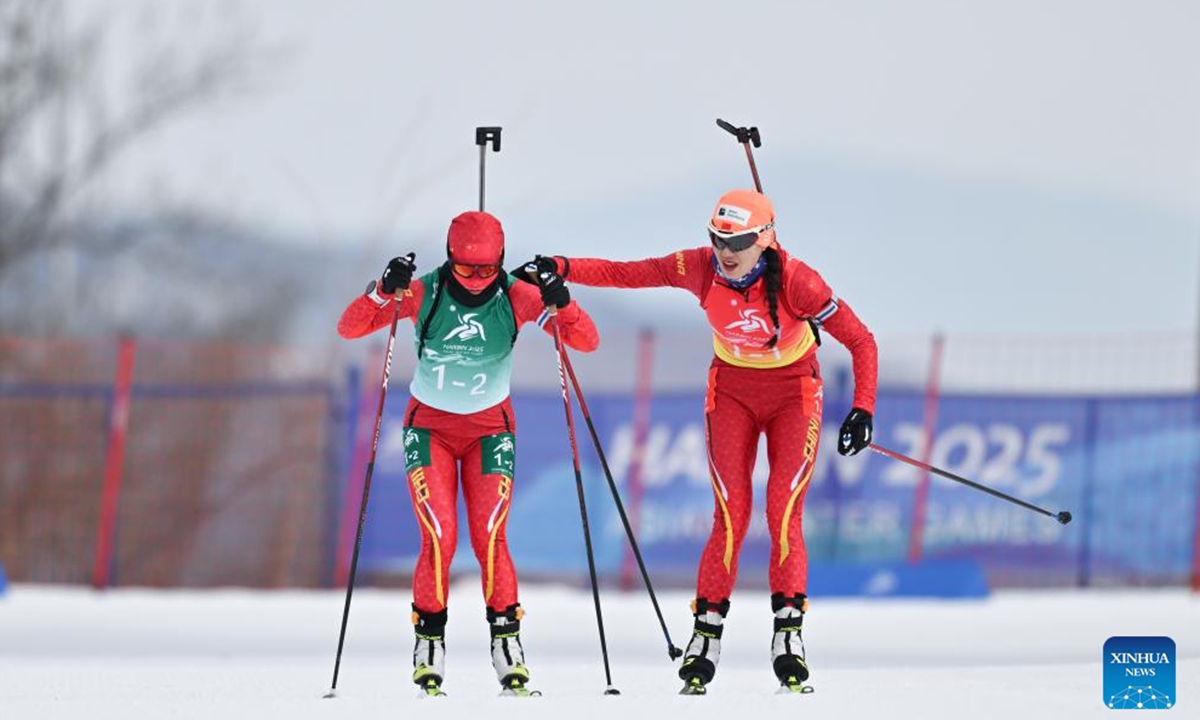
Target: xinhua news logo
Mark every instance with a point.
(1139, 673)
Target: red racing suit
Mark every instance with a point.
(438, 442)
(752, 390)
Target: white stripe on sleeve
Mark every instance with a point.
(827, 312)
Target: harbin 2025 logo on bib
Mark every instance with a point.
(1139, 673)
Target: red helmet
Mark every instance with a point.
(475, 238)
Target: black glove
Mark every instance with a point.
(856, 432)
(530, 271)
(398, 274)
(554, 288)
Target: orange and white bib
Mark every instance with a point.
(742, 327)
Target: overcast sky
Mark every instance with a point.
(965, 166)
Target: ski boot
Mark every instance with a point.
(787, 647)
(704, 651)
(429, 652)
(508, 657)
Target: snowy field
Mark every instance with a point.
(69, 653)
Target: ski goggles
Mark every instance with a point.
(736, 241)
(466, 271)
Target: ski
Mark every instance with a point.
(693, 686)
(517, 688)
(431, 688)
(793, 685)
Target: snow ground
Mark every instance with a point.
(73, 653)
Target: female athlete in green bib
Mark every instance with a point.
(466, 314)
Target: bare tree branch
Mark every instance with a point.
(46, 84)
(61, 128)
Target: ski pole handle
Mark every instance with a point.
(743, 134)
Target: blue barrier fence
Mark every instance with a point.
(1127, 468)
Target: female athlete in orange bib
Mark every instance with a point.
(766, 309)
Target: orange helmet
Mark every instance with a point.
(743, 218)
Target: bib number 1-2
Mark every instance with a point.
(478, 380)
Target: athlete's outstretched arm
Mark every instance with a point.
(688, 269)
(576, 326)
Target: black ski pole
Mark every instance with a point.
(672, 651)
(746, 136)
(587, 533)
(1062, 516)
(362, 511)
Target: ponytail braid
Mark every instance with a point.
(773, 277)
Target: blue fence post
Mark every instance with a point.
(1088, 494)
(1194, 580)
(351, 399)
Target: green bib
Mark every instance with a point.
(465, 364)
